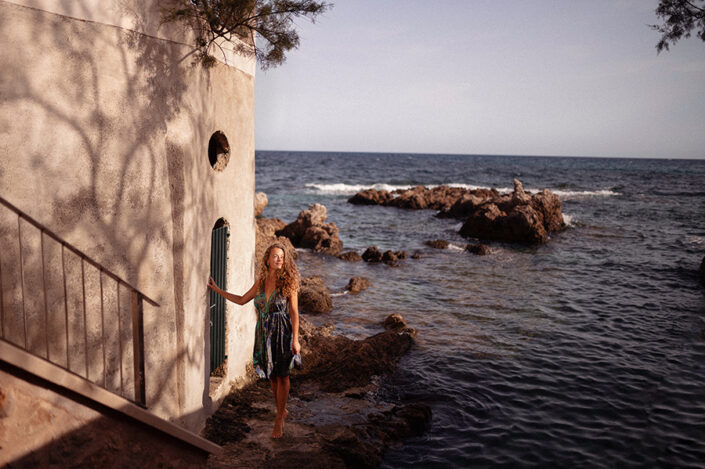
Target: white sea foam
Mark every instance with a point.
(351, 189)
(340, 293)
(563, 194)
(455, 247)
(568, 219)
(694, 240)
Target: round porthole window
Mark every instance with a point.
(218, 151)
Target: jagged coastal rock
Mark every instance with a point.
(518, 217)
(266, 235)
(260, 203)
(314, 296)
(310, 231)
(419, 197)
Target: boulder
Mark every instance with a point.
(394, 322)
(324, 239)
(401, 254)
(438, 244)
(521, 225)
(372, 254)
(357, 284)
(265, 236)
(260, 203)
(416, 255)
(350, 256)
(310, 231)
(389, 257)
(314, 297)
(478, 249)
(548, 206)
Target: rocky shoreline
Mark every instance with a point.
(336, 417)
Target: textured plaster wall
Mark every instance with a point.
(103, 139)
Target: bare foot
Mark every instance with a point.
(278, 428)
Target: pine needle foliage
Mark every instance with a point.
(679, 18)
(264, 29)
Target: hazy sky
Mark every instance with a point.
(539, 77)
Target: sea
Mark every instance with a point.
(588, 351)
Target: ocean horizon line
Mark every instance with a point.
(498, 155)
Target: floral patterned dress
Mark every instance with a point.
(272, 355)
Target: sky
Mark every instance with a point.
(494, 77)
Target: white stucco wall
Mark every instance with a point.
(104, 130)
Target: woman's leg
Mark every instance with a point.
(275, 388)
(282, 394)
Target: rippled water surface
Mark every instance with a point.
(587, 351)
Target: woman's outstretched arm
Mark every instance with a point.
(294, 316)
(241, 300)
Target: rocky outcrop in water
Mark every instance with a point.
(310, 231)
(314, 296)
(518, 217)
(357, 284)
(335, 418)
(419, 197)
(350, 256)
(389, 257)
(438, 244)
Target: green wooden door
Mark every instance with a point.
(219, 241)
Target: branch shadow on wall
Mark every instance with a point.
(114, 96)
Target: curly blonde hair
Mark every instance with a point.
(287, 278)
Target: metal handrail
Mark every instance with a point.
(136, 306)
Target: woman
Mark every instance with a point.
(277, 331)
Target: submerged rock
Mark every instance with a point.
(314, 296)
(478, 249)
(438, 244)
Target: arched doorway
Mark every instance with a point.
(219, 258)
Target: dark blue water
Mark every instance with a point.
(587, 351)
